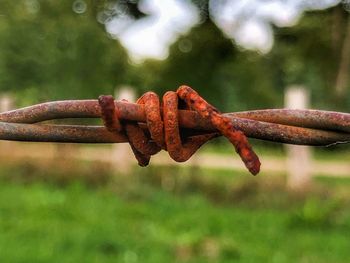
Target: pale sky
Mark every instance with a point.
(151, 36)
(246, 22)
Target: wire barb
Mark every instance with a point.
(150, 126)
(222, 124)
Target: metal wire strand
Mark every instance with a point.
(300, 127)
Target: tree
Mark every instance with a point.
(52, 51)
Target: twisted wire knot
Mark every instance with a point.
(163, 127)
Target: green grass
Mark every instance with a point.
(339, 152)
(134, 219)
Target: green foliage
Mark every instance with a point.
(207, 53)
(51, 52)
(304, 56)
(240, 80)
(213, 66)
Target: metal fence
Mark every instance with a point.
(199, 121)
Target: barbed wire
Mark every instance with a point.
(150, 126)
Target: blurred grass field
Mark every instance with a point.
(340, 152)
(168, 214)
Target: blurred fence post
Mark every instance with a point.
(7, 103)
(298, 157)
(122, 154)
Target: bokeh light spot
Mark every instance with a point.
(79, 6)
(185, 45)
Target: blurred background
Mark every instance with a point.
(83, 203)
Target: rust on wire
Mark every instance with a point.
(150, 125)
(224, 125)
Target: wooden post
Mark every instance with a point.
(298, 157)
(123, 157)
(6, 104)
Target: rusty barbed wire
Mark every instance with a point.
(150, 126)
